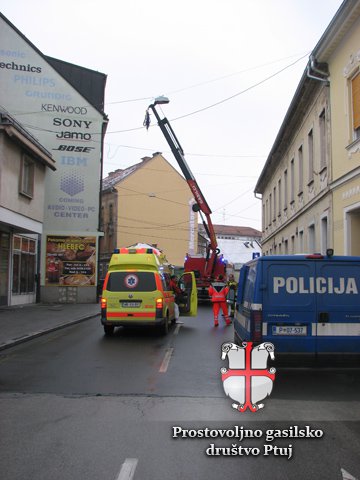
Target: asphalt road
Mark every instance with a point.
(77, 405)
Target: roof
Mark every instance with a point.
(346, 15)
(235, 231)
(90, 83)
(120, 174)
(18, 133)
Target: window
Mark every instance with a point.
(111, 219)
(266, 213)
(274, 198)
(285, 189)
(279, 193)
(301, 170)
(263, 216)
(301, 241)
(324, 234)
(292, 180)
(286, 246)
(24, 265)
(131, 282)
(27, 174)
(311, 155)
(311, 238)
(270, 208)
(322, 125)
(355, 95)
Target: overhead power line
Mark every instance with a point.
(223, 100)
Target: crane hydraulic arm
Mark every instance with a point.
(201, 204)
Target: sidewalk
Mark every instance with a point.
(22, 323)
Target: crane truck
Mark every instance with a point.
(208, 267)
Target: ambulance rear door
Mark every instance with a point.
(188, 304)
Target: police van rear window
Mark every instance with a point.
(131, 282)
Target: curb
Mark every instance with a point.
(31, 336)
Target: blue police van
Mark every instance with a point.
(303, 304)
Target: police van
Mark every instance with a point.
(303, 304)
(136, 291)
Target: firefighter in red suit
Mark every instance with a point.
(218, 291)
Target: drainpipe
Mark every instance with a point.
(311, 69)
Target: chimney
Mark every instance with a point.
(116, 172)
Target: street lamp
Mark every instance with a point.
(161, 100)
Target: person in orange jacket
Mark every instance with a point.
(218, 291)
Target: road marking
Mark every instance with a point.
(127, 469)
(177, 328)
(165, 362)
(346, 475)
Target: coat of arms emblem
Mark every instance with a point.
(247, 380)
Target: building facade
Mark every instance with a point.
(151, 203)
(62, 105)
(238, 244)
(310, 185)
(23, 165)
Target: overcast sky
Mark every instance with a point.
(207, 56)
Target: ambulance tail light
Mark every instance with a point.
(257, 326)
(159, 303)
(103, 304)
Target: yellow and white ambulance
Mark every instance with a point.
(136, 291)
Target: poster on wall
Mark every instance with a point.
(70, 261)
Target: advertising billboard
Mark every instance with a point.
(70, 261)
(60, 118)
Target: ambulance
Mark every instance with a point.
(136, 291)
(307, 306)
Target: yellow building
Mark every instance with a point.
(149, 202)
(310, 185)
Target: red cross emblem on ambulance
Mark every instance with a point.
(247, 380)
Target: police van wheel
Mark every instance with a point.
(109, 330)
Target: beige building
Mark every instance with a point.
(149, 202)
(310, 185)
(23, 164)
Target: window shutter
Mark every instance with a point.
(355, 87)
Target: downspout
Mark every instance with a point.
(311, 69)
(103, 131)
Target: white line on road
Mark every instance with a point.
(346, 475)
(177, 328)
(127, 469)
(165, 362)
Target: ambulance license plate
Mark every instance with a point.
(130, 304)
(289, 330)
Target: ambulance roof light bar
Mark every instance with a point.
(133, 250)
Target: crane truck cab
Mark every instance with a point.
(136, 291)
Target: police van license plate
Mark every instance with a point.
(130, 304)
(289, 330)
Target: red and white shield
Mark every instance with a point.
(247, 380)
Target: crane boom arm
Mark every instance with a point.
(178, 153)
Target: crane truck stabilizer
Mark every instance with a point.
(212, 265)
